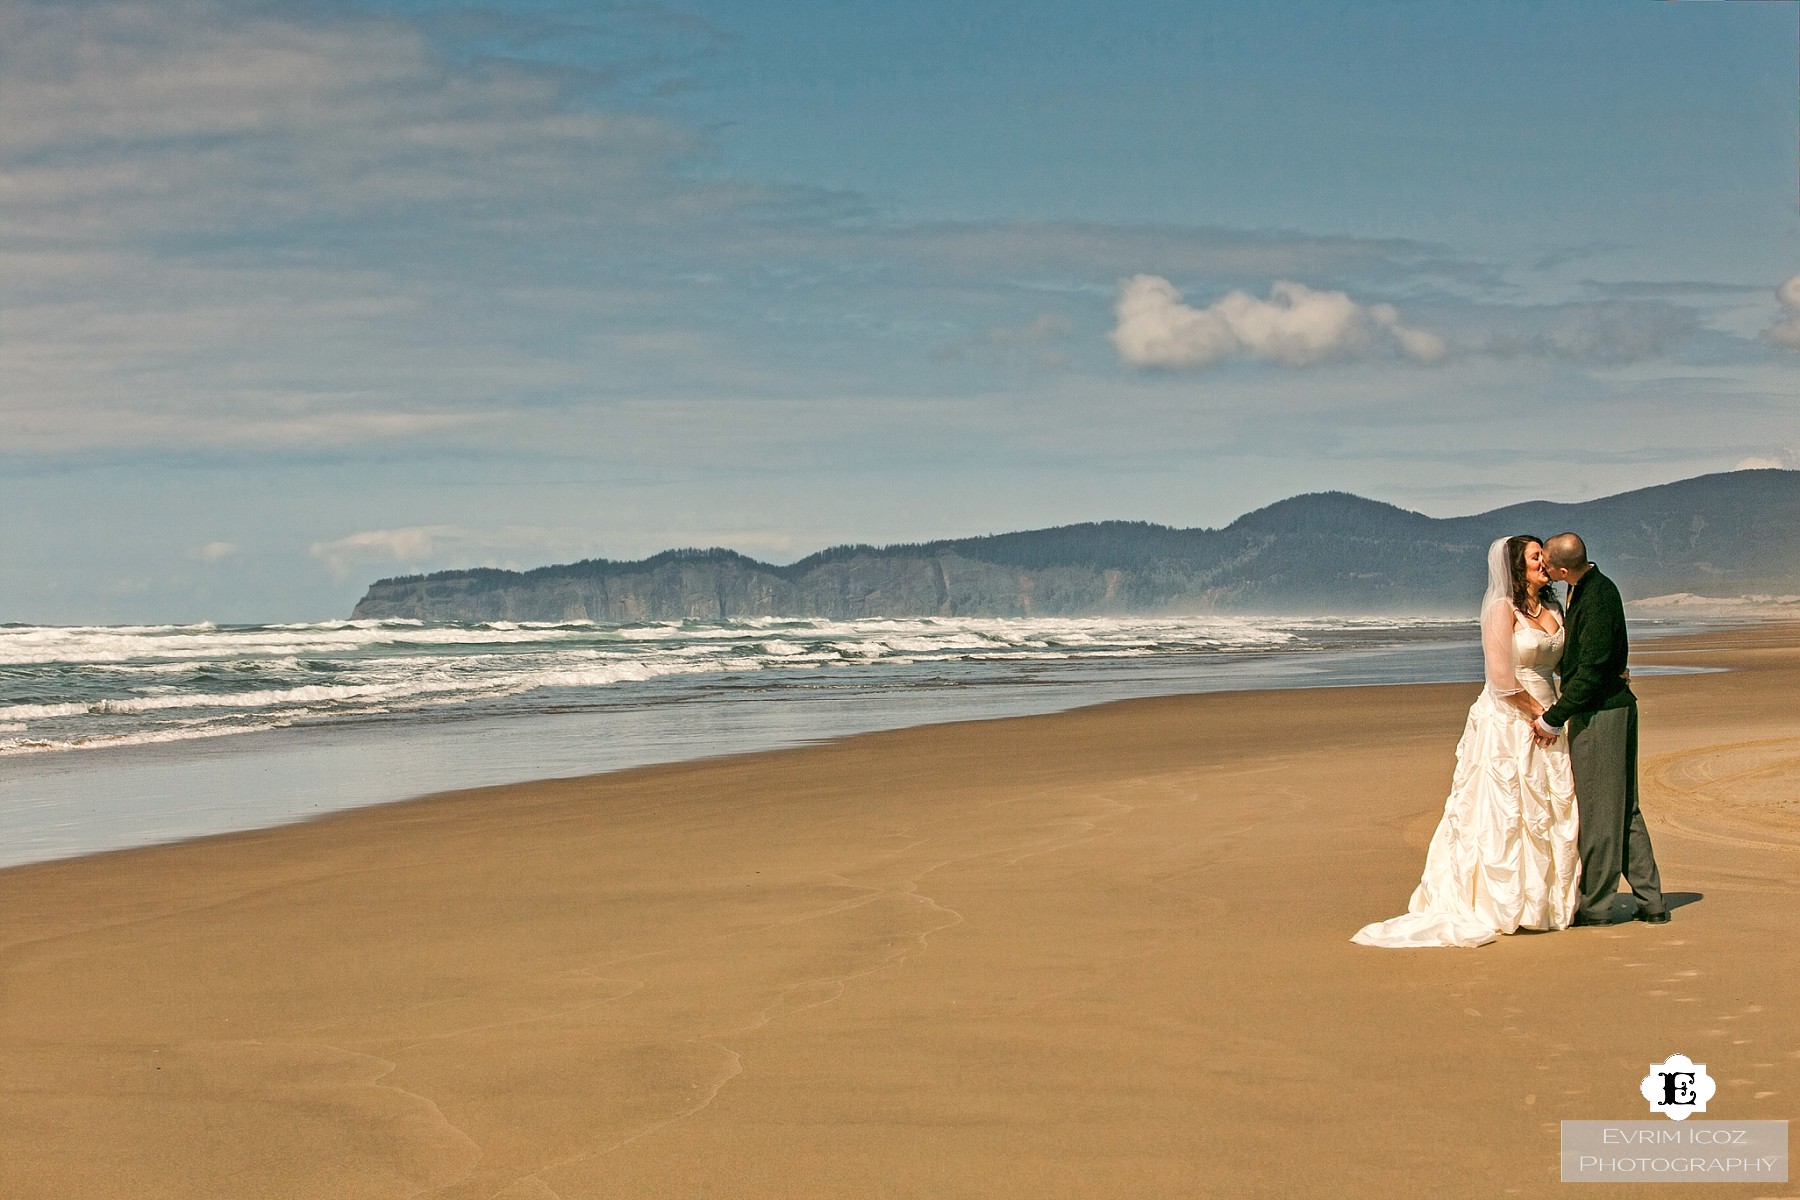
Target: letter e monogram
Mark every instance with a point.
(1678, 1087)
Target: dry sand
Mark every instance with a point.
(1097, 954)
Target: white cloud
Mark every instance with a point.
(1786, 331)
(1778, 460)
(1418, 344)
(1297, 326)
(213, 551)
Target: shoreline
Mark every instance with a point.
(170, 792)
(1099, 952)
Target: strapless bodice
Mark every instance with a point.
(1535, 655)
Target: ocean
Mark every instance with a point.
(120, 736)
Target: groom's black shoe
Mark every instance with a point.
(1584, 919)
(1652, 918)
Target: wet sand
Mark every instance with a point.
(1101, 953)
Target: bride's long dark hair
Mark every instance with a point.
(1515, 566)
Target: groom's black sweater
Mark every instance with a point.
(1593, 662)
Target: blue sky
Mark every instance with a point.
(294, 296)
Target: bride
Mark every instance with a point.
(1504, 856)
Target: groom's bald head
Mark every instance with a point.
(1566, 551)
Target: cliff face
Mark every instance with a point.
(702, 586)
(1721, 535)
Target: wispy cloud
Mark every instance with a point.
(201, 118)
(1040, 342)
(1099, 251)
(1297, 326)
(1658, 289)
(278, 229)
(435, 547)
(275, 228)
(1602, 334)
(292, 229)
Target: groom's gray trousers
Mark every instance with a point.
(1603, 754)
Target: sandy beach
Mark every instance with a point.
(1096, 954)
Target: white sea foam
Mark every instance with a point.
(67, 687)
(144, 737)
(122, 644)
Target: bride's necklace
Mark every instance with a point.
(1533, 613)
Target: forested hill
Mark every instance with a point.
(1716, 535)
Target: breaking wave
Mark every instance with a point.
(72, 687)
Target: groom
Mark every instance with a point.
(1601, 713)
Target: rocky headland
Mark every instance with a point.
(1725, 535)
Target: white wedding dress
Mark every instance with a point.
(1504, 856)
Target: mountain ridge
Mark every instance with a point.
(1712, 535)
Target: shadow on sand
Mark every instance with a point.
(1624, 908)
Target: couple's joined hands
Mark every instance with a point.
(1537, 731)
